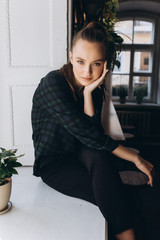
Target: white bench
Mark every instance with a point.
(42, 213)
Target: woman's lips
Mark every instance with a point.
(87, 79)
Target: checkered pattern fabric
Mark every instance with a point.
(58, 120)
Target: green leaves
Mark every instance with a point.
(122, 91)
(117, 63)
(8, 163)
(115, 41)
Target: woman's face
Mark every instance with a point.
(87, 59)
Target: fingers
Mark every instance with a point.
(105, 70)
(150, 175)
(150, 182)
(148, 169)
(105, 66)
(100, 80)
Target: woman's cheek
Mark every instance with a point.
(100, 73)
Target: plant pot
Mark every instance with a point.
(139, 99)
(5, 193)
(122, 99)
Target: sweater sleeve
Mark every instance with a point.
(96, 118)
(56, 98)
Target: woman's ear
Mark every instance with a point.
(71, 57)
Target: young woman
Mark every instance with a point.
(72, 153)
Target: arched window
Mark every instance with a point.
(138, 58)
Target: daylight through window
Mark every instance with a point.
(136, 57)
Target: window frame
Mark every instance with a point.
(153, 47)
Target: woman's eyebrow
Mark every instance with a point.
(98, 60)
(80, 58)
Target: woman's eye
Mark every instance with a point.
(97, 64)
(80, 62)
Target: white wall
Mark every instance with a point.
(33, 41)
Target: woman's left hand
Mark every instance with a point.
(142, 164)
(147, 168)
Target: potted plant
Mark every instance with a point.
(140, 92)
(122, 93)
(8, 163)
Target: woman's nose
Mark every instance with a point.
(88, 69)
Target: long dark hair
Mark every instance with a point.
(93, 32)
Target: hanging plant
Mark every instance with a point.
(109, 20)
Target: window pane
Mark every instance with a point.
(142, 61)
(144, 83)
(124, 58)
(125, 30)
(143, 32)
(118, 80)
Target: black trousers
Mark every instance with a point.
(92, 175)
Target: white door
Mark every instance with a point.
(33, 41)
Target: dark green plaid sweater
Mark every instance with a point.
(58, 121)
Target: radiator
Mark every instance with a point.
(140, 120)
